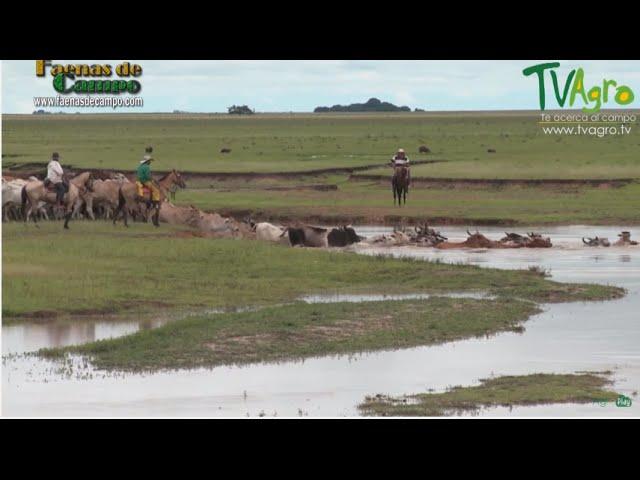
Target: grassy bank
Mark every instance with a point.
(297, 142)
(96, 267)
(372, 202)
(302, 330)
(535, 389)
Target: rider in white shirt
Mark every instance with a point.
(55, 175)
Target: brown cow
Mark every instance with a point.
(625, 240)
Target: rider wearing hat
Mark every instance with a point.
(400, 159)
(55, 176)
(144, 179)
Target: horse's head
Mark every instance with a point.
(90, 181)
(178, 180)
(84, 180)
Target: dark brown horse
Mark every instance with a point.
(400, 184)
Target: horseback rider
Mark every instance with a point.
(400, 159)
(144, 179)
(56, 177)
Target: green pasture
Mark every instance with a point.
(298, 142)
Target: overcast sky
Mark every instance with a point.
(300, 86)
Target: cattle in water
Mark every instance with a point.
(270, 233)
(343, 236)
(477, 240)
(625, 240)
(309, 236)
(596, 242)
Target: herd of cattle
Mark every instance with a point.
(101, 199)
(421, 236)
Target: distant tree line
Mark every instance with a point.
(372, 105)
(240, 110)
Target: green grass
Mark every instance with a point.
(302, 330)
(372, 202)
(302, 142)
(507, 391)
(297, 142)
(96, 266)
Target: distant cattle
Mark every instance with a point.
(225, 150)
(424, 149)
(309, 236)
(491, 150)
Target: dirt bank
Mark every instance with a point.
(454, 183)
(38, 169)
(260, 215)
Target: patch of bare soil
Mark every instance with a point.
(250, 344)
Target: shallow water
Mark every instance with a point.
(356, 298)
(564, 338)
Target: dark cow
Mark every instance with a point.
(424, 149)
(343, 236)
(225, 150)
(296, 236)
(308, 236)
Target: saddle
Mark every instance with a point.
(146, 196)
(51, 187)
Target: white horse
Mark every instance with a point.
(12, 198)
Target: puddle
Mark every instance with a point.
(29, 336)
(354, 298)
(564, 338)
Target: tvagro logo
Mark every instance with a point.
(92, 79)
(574, 88)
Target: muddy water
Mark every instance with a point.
(564, 338)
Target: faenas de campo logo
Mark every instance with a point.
(92, 79)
